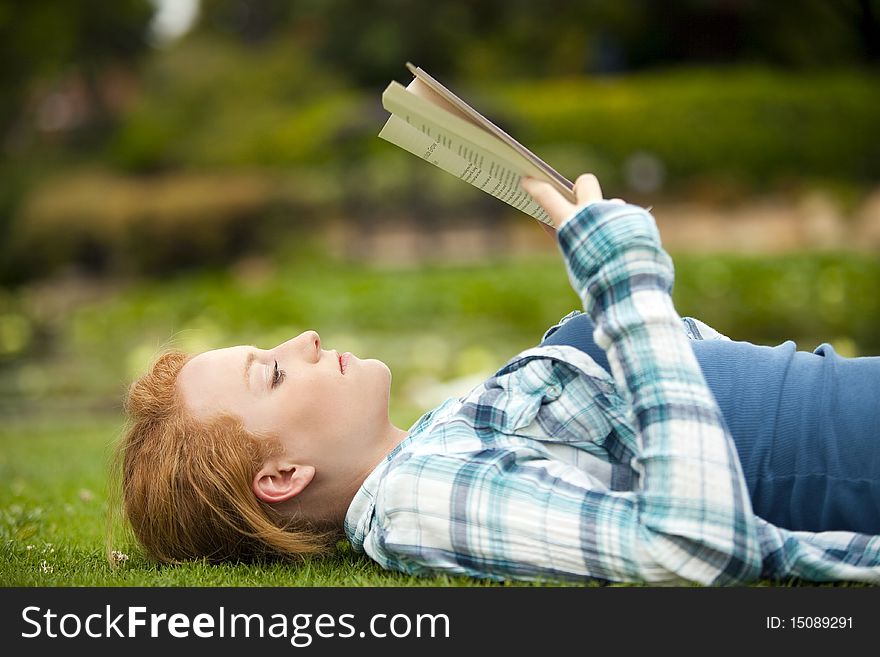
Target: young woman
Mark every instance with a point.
(600, 453)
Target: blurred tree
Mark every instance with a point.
(868, 18)
(267, 83)
(369, 41)
(54, 55)
(44, 40)
(789, 33)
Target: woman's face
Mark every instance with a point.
(298, 392)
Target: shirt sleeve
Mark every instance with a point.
(512, 511)
(693, 516)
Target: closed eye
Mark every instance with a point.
(277, 376)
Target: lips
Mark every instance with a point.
(343, 362)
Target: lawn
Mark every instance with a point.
(440, 329)
(53, 523)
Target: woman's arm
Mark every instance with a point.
(499, 509)
(693, 509)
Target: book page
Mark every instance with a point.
(422, 90)
(399, 100)
(431, 89)
(500, 167)
(479, 169)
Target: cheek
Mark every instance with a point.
(278, 413)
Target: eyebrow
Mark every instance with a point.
(251, 357)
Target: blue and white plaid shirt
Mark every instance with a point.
(554, 469)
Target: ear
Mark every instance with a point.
(279, 482)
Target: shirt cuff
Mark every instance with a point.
(612, 249)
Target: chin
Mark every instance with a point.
(378, 363)
(386, 375)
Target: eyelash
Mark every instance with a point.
(277, 376)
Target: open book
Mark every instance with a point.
(430, 121)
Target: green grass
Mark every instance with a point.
(63, 374)
(53, 523)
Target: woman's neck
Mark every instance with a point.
(326, 499)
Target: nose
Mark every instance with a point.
(307, 344)
(312, 341)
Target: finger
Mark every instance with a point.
(556, 205)
(587, 189)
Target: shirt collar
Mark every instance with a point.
(359, 517)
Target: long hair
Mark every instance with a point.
(184, 485)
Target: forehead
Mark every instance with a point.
(217, 360)
(213, 378)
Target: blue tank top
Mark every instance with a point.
(806, 426)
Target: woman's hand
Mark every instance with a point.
(560, 209)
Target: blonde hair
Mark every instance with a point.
(184, 485)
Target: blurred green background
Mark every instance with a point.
(207, 173)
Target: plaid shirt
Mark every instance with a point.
(553, 469)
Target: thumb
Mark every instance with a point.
(556, 205)
(587, 189)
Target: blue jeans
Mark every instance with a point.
(806, 426)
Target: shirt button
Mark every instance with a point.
(553, 391)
